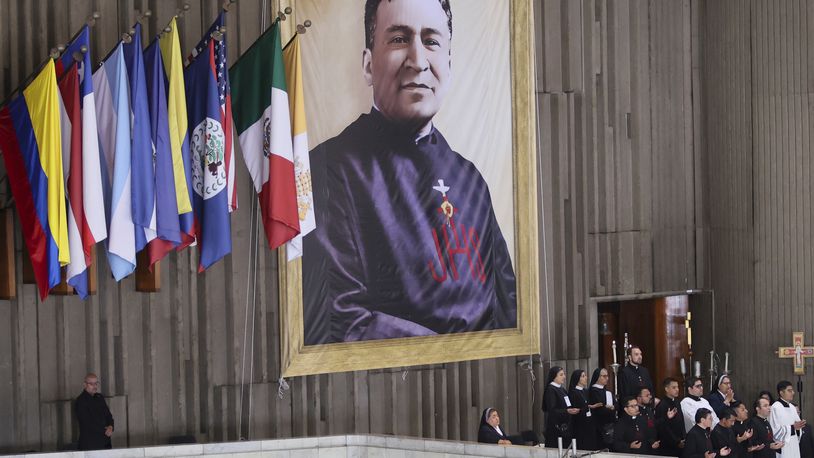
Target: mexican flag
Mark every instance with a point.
(261, 115)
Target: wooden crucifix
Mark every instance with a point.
(798, 351)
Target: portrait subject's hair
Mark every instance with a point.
(782, 385)
(371, 6)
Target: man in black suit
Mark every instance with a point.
(95, 420)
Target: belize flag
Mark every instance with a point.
(224, 97)
(207, 141)
(31, 141)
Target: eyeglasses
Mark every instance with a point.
(631, 406)
(701, 385)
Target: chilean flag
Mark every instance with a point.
(84, 183)
(71, 126)
(207, 140)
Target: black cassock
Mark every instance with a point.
(93, 417)
(698, 443)
(725, 437)
(632, 378)
(406, 244)
(670, 430)
(739, 428)
(762, 434)
(628, 430)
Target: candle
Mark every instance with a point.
(698, 368)
(683, 366)
(574, 446)
(689, 337)
(614, 351)
(559, 445)
(726, 362)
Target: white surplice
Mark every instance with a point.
(690, 405)
(782, 420)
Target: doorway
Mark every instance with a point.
(656, 325)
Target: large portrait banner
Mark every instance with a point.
(421, 131)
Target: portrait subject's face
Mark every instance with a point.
(409, 65)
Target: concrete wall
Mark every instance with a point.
(622, 212)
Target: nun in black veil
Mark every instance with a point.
(490, 431)
(558, 409)
(605, 415)
(583, 423)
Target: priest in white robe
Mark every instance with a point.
(785, 421)
(693, 402)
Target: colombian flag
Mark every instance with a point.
(30, 137)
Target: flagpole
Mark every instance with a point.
(126, 36)
(55, 53)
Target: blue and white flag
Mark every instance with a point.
(113, 116)
(141, 150)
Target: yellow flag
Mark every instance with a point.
(43, 108)
(176, 112)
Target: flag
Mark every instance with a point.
(94, 226)
(84, 183)
(179, 141)
(207, 147)
(263, 123)
(299, 136)
(225, 97)
(167, 223)
(141, 152)
(71, 128)
(30, 138)
(113, 116)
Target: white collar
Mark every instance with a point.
(596, 385)
(555, 384)
(579, 387)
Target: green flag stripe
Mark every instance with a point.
(258, 70)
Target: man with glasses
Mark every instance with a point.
(723, 397)
(631, 434)
(693, 402)
(95, 420)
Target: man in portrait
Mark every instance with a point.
(407, 243)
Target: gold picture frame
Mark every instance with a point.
(298, 359)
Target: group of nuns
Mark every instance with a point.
(581, 410)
